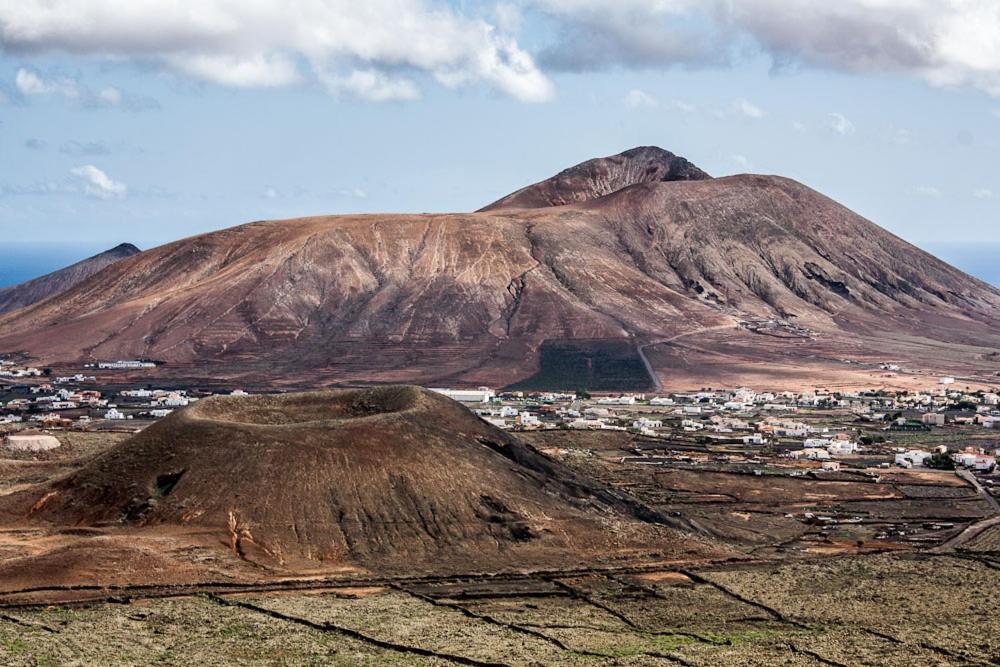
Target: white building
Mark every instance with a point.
(126, 363)
(479, 395)
(114, 413)
(842, 448)
(913, 457)
(932, 419)
(528, 419)
(619, 400)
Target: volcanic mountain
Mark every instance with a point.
(392, 477)
(620, 265)
(33, 291)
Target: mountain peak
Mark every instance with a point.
(38, 289)
(602, 176)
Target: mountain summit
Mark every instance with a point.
(59, 281)
(602, 176)
(755, 280)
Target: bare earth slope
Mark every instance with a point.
(33, 291)
(387, 478)
(754, 279)
(602, 176)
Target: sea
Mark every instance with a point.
(20, 262)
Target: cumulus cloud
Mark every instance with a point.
(983, 193)
(840, 124)
(748, 109)
(371, 85)
(268, 43)
(98, 184)
(928, 191)
(945, 42)
(30, 83)
(682, 106)
(597, 34)
(639, 98)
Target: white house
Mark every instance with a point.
(480, 395)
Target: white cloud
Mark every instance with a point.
(840, 124)
(928, 191)
(901, 136)
(682, 106)
(30, 83)
(267, 43)
(110, 96)
(944, 42)
(371, 85)
(748, 109)
(258, 70)
(983, 193)
(99, 184)
(798, 126)
(638, 98)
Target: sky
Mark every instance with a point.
(151, 121)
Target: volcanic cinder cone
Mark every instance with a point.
(392, 478)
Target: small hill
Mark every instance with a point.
(386, 478)
(57, 282)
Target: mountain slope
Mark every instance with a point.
(33, 291)
(730, 280)
(602, 176)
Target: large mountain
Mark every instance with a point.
(33, 291)
(744, 279)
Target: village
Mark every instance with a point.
(942, 427)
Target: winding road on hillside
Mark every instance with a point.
(641, 349)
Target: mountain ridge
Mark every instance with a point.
(50, 284)
(773, 279)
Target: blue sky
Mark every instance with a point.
(148, 126)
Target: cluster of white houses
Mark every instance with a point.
(748, 417)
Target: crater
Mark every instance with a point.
(310, 408)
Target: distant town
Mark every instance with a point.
(812, 431)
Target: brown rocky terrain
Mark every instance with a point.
(57, 282)
(387, 479)
(602, 176)
(699, 275)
